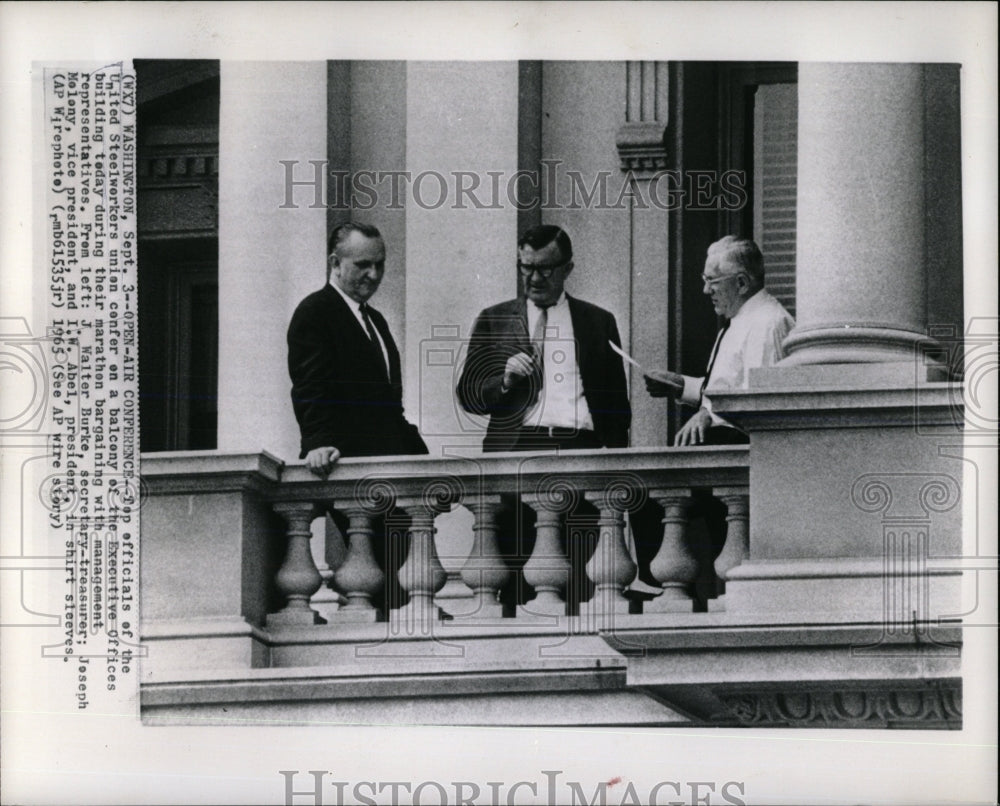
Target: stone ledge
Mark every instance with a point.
(292, 686)
(615, 707)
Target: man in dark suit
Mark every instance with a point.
(541, 368)
(347, 388)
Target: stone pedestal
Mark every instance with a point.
(854, 500)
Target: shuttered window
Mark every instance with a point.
(775, 146)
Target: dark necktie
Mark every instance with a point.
(375, 342)
(715, 354)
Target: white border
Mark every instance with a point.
(50, 757)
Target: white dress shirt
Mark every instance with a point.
(561, 402)
(752, 340)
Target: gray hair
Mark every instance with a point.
(740, 253)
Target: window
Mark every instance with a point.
(177, 174)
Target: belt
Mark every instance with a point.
(554, 431)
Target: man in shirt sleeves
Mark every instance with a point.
(347, 389)
(541, 368)
(756, 325)
(752, 337)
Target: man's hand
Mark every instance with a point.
(663, 383)
(519, 366)
(320, 460)
(695, 429)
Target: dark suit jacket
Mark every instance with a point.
(338, 392)
(502, 330)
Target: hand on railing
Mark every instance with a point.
(695, 429)
(321, 460)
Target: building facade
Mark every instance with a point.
(841, 604)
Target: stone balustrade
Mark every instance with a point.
(615, 483)
(235, 618)
(408, 495)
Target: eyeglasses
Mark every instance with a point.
(544, 269)
(712, 282)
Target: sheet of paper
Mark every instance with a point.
(626, 356)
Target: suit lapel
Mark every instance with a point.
(521, 326)
(351, 328)
(379, 323)
(343, 312)
(587, 350)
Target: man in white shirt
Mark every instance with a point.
(541, 366)
(542, 369)
(752, 337)
(757, 325)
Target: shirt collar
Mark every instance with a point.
(353, 304)
(748, 307)
(559, 303)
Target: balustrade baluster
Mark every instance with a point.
(485, 570)
(737, 548)
(675, 567)
(547, 569)
(422, 575)
(326, 601)
(359, 577)
(611, 567)
(298, 578)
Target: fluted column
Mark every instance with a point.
(547, 570)
(359, 577)
(298, 578)
(611, 567)
(861, 268)
(484, 570)
(674, 566)
(422, 575)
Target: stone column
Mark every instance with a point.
(642, 158)
(270, 256)
(461, 232)
(861, 259)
